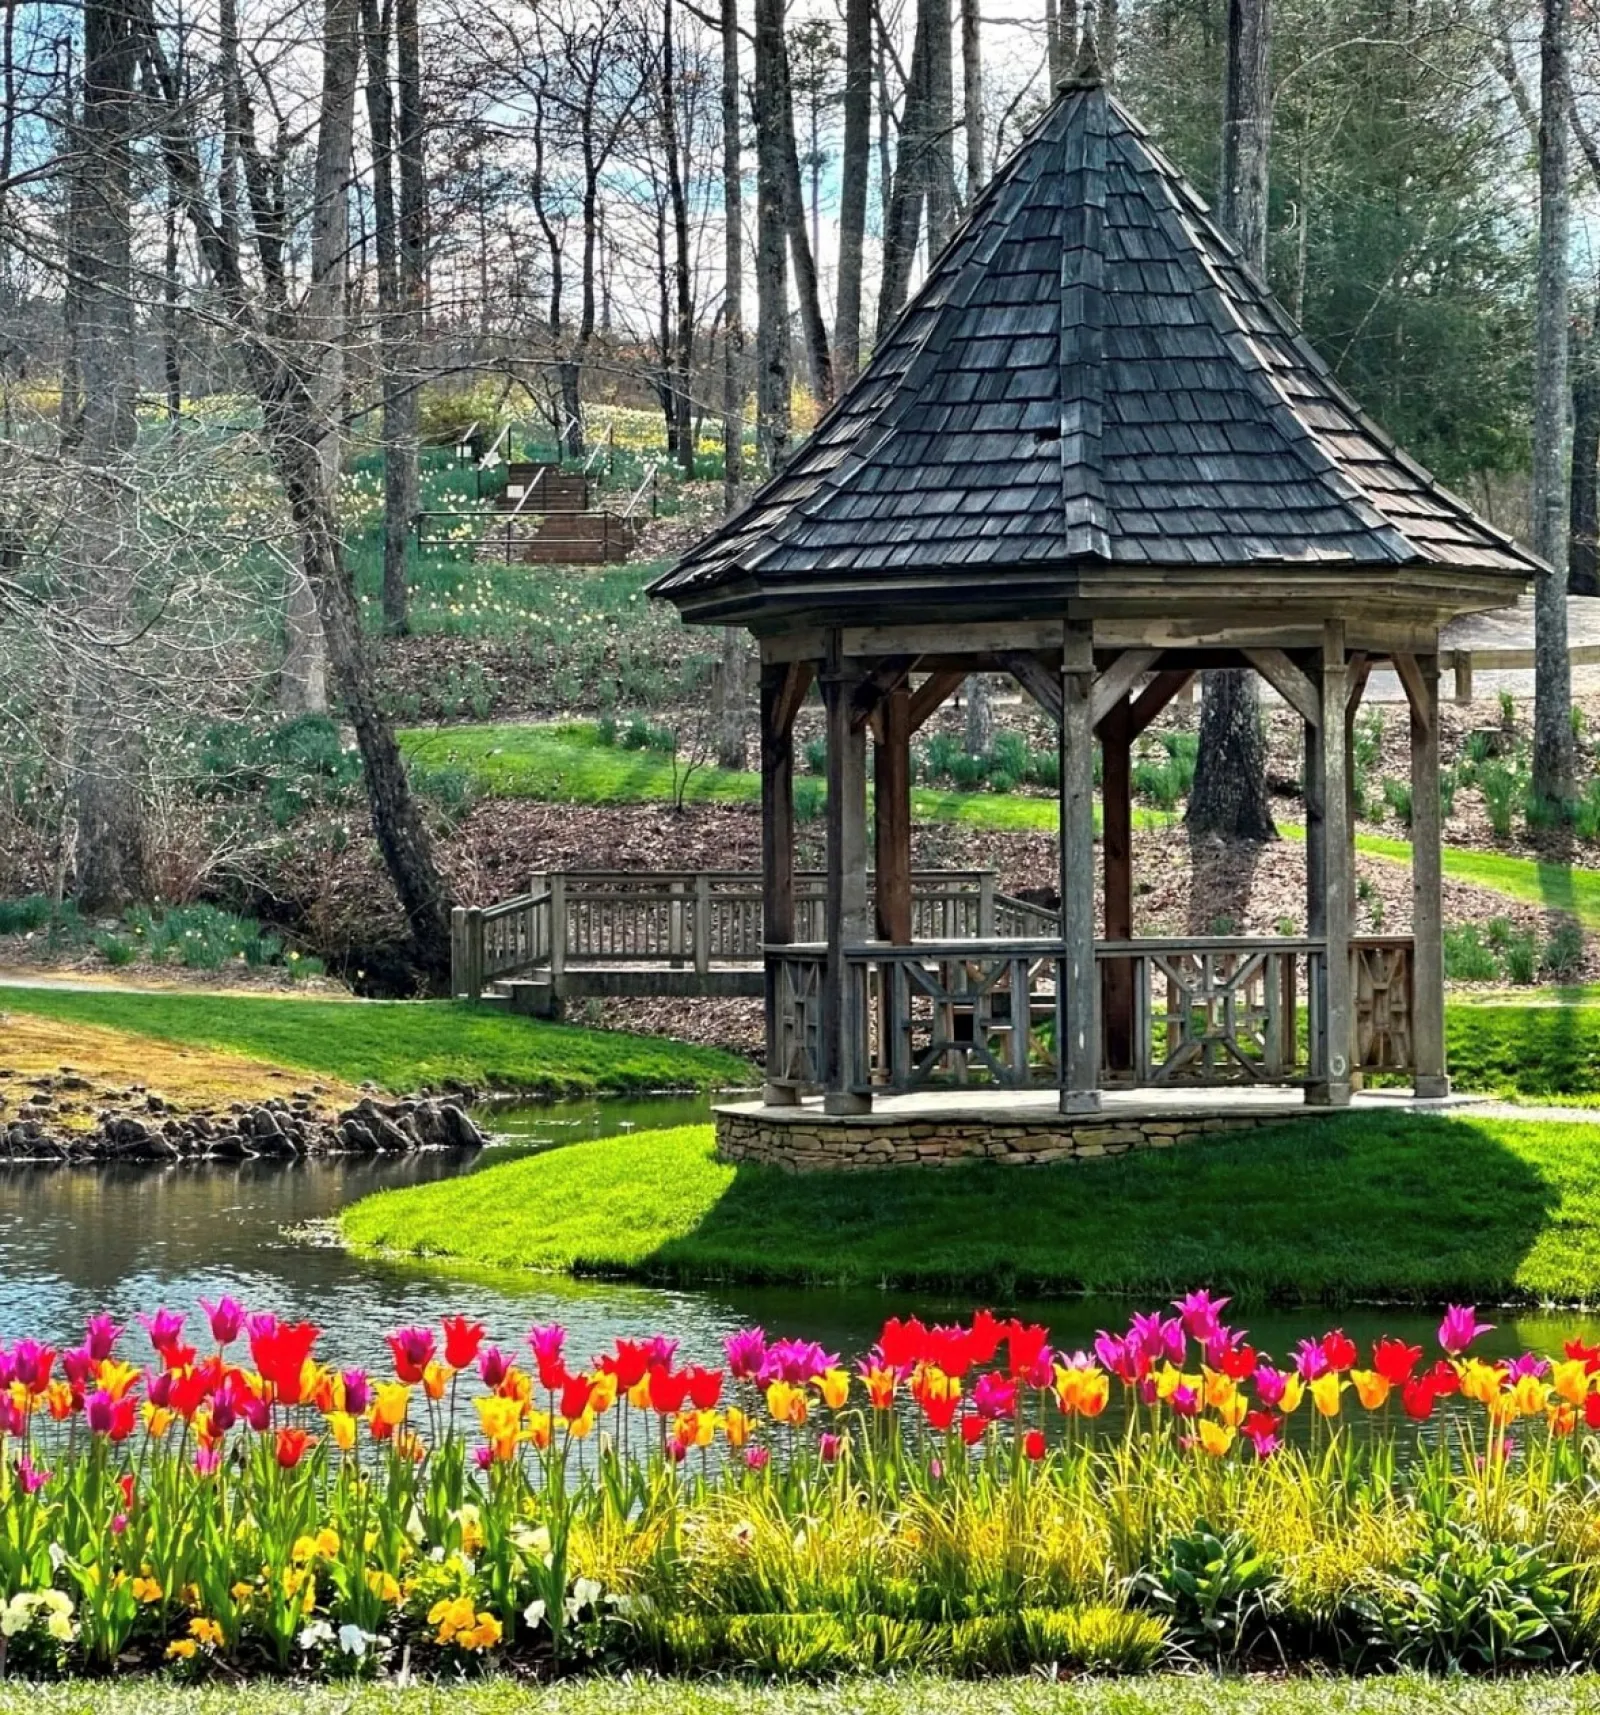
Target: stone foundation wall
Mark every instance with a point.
(810, 1141)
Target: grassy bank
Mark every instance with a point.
(400, 1045)
(1187, 1694)
(1354, 1206)
(568, 764)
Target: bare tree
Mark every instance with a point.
(1230, 781)
(972, 94)
(772, 285)
(732, 265)
(1552, 684)
(102, 434)
(286, 352)
(854, 164)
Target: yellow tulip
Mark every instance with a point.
(737, 1426)
(1570, 1380)
(1325, 1391)
(834, 1386)
(1371, 1388)
(1220, 1388)
(1293, 1392)
(1215, 1438)
(1480, 1381)
(342, 1430)
(1530, 1396)
(390, 1403)
(1235, 1411)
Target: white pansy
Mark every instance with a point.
(533, 1615)
(354, 1641)
(317, 1633)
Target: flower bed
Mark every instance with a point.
(963, 1499)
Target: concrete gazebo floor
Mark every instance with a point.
(938, 1127)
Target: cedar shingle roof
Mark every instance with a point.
(1091, 375)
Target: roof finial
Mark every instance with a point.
(1086, 72)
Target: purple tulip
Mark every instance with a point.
(1460, 1328)
(226, 1317)
(746, 1352)
(102, 1337)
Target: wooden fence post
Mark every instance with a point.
(702, 923)
(558, 926)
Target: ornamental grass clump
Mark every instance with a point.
(961, 1499)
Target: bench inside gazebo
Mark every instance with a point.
(1095, 455)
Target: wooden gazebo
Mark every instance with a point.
(1094, 454)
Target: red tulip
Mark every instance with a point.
(1339, 1349)
(1033, 1444)
(1394, 1360)
(984, 1337)
(1418, 1396)
(461, 1341)
(940, 1410)
(972, 1428)
(1026, 1343)
(280, 1353)
(292, 1446)
(575, 1396)
(1591, 1410)
(667, 1391)
(705, 1387)
(630, 1363)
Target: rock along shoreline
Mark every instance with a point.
(275, 1128)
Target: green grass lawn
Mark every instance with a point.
(1558, 887)
(1390, 1206)
(568, 764)
(398, 1044)
(1168, 1694)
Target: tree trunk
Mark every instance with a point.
(1230, 784)
(972, 95)
(732, 698)
(1552, 684)
(818, 357)
(904, 214)
(1583, 565)
(1229, 796)
(1106, 29)
(939, 164)
(732, 265)
(375, 30)
(286, 381)
(109, 750)
(401, 411)
(679, 358)
(979, 736)
(1056, 55)
(1247, 130)
(772, 284)
(854, 158)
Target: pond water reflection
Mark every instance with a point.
(127, 1238)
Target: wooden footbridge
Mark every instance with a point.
(582, 934)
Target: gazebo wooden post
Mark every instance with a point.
(1427, 927)
(779, 702)
(1116, 793)
(846, 915)
(1077, 1001)
(1328, 855)
(891, 813)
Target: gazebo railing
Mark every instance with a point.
(1221, 1009)
(1205, 1011)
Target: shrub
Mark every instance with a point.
(810, 796)
(1499, 787)
(24, 916)
(938, 756)
(1508, 711)
(816, 754)
(1397, 795)
(1563, 953)
(968, 772)
(1009, 755)
(1468, 1601)
(605, 731)
(115, 951)
(1466, 958)
(1044, 769)
(1214, 1590)
(1000, 781)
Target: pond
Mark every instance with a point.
(127, 1238)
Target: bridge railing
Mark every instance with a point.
(690, 919)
